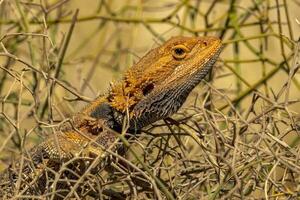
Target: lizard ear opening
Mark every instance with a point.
(148, 89)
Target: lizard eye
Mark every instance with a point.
(179, 51)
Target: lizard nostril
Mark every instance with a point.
(205, 43)
(148, 89)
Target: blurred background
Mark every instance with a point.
(86, 44)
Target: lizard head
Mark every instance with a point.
(157, 85)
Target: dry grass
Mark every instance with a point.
(236, 137)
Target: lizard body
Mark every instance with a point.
(152, 89)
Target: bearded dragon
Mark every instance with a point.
(152, 89)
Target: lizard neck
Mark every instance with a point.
(109, 114)
(102, 108)
(114, 118)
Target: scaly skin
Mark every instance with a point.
(152, 89)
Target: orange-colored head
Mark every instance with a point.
(159, 83)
